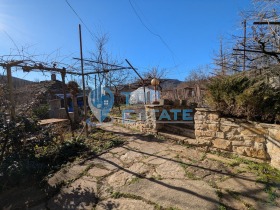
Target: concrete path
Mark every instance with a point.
(147, 173)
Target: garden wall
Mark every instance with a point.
(251, 139)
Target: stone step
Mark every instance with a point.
(185, 132)
(185, 140)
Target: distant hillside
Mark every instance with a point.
(170, 83)
(17, 82)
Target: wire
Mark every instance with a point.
(155, 34)
(93, 36)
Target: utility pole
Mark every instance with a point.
(83, 78)
(11, 92)
(244, 44)
(143, 82)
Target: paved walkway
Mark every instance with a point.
(147, 173)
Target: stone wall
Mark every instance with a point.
(251, 139)
(151, 117)
(131, 124)
(149, 122)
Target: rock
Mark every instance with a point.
(213, 116)
(139, 168)
(131, 156)
(222, 144)
(275, 133)
(98, 172)
(120, 178)
(225, 128)
(274, 151)
(170, 170)
(220, 135)
(239, 150)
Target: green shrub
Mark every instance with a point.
(240, 96)
(41, 112)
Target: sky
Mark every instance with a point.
(176, 35)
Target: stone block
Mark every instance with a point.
(198, 133)
(213, 117)
(237, 143)
(239, 150)
(220, 135)
(257, 152)
(201, 126)
(248, 143)
(274, 153)
(213, 127)
(198, 117)
(222, 144)
(259, 138)
(225, 128)
(232, 135)
(207, 133)
(254, 152)
(247, 132)
(236, 138)
(274, 133)
(198, 142)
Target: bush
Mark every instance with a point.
(240, 96)
(41, 112)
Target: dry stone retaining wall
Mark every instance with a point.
(251, 139)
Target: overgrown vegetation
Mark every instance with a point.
(41, 112)
(266, 174)
(240, 96)
(29, 152)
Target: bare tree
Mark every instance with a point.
(155, 72)
(258, 46)
(198, 75)
(110, 69)
(262, 44)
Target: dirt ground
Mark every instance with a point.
(150, 173)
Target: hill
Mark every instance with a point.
(170, 83)
(17, 82)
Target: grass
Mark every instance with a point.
(222, 207)
(185, 166)
(191, 175)
(264, 171)
(158, 177)
(272, 195)
(134, 180)
(203, 156)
